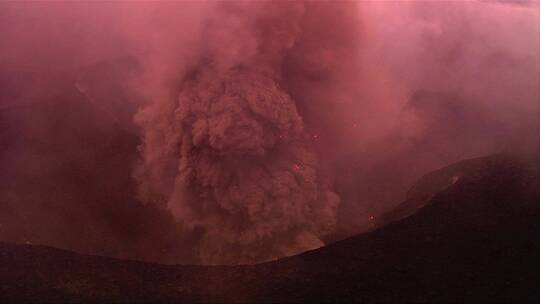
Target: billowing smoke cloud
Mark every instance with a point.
(263, 129)
(232, 156)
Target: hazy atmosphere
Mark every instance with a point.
(243, 132)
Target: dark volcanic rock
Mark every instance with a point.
(474, 238)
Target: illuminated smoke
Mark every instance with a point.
(251, 116)
(231, 156)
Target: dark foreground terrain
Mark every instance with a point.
(473, 237)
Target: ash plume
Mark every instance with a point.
(231, 157)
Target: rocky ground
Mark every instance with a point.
(467, 233)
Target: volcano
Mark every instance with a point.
(468, 232)
(269, 151)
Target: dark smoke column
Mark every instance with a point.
(231, 157)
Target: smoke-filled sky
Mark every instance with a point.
(239, 132)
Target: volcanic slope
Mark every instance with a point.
(473, 237)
